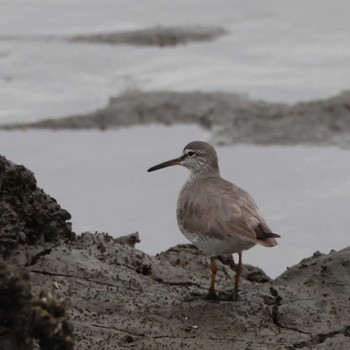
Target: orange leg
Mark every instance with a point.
(239, 270)
(214, 269)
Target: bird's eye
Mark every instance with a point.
(191, 154)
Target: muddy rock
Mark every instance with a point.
(28, 214)
(118, 297)
(50, 324)
(15, 308)
(130, 239)
(27, 321)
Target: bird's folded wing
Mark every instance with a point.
(229, 213)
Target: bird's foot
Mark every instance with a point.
(215, 297)
(235, 296)
(229, 296)
(211, 295)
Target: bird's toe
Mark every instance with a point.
(212, 295)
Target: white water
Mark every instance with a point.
(101, 179)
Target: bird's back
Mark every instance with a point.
(220, 217)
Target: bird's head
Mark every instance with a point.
(198, 156)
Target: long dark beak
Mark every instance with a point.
(166, 164)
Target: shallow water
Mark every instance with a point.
(276, 50)
(101, 179)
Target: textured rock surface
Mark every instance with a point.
(28, 214)
(23, 318)
(50, 324)
(119, 297)
(15, 309)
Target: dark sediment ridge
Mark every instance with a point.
(232, 118)
(158, 36)
(92, 291)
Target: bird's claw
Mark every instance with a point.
(212, 295)
(215, 297)
(229, 296)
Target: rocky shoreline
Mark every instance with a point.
(93, 291)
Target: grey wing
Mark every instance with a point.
(222, 210)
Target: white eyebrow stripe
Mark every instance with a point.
(187, 151)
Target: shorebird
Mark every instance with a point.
(217, 216)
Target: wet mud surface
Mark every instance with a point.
(158, 36)
(232, 118)
(102, 293)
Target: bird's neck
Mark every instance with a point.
(210, 172)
